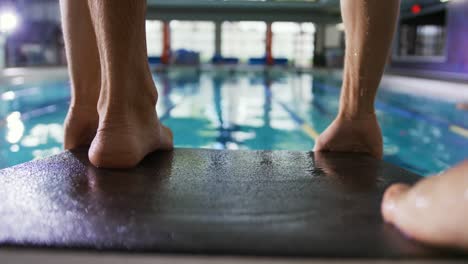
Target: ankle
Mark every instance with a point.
(83, 108)
(132, 79)
(356, 115)
(132, 95)
(355, 112)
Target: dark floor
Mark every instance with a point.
(208, 202)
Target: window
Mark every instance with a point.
(294, 41)
(422, 37)
(243, 40)
(422, 40)
(195, 36)
(154, 38)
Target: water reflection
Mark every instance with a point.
(226, 127)
(229, 109)
(42, 133)
(8, 96)
(15, 128)
(358, 173)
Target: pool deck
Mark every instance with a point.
(205, 206)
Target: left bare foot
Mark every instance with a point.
(81, 125)
(129, 127)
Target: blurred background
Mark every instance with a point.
(238, 74)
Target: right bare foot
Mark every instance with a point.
(359, 134)
(126, 134)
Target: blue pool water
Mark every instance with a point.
(243, 110)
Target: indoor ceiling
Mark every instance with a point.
(318, 11)
(323, 5)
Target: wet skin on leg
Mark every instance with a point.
(369, 28)
(85, 73)
(129, 126)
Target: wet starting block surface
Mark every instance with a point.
(209, 202)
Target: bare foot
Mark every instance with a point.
(434, 211)
(81, 125)
(352, 134)
(462, 106)
(128, 132)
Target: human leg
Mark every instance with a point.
(129, 127)
(84, 70)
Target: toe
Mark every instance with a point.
(167, 138)
(393, 195)
(318, 145)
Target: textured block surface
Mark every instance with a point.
(272, 203)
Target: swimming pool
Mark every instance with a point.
(255, 109)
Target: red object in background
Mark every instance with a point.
(415, 9)
(268, 44)
(166, 53)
